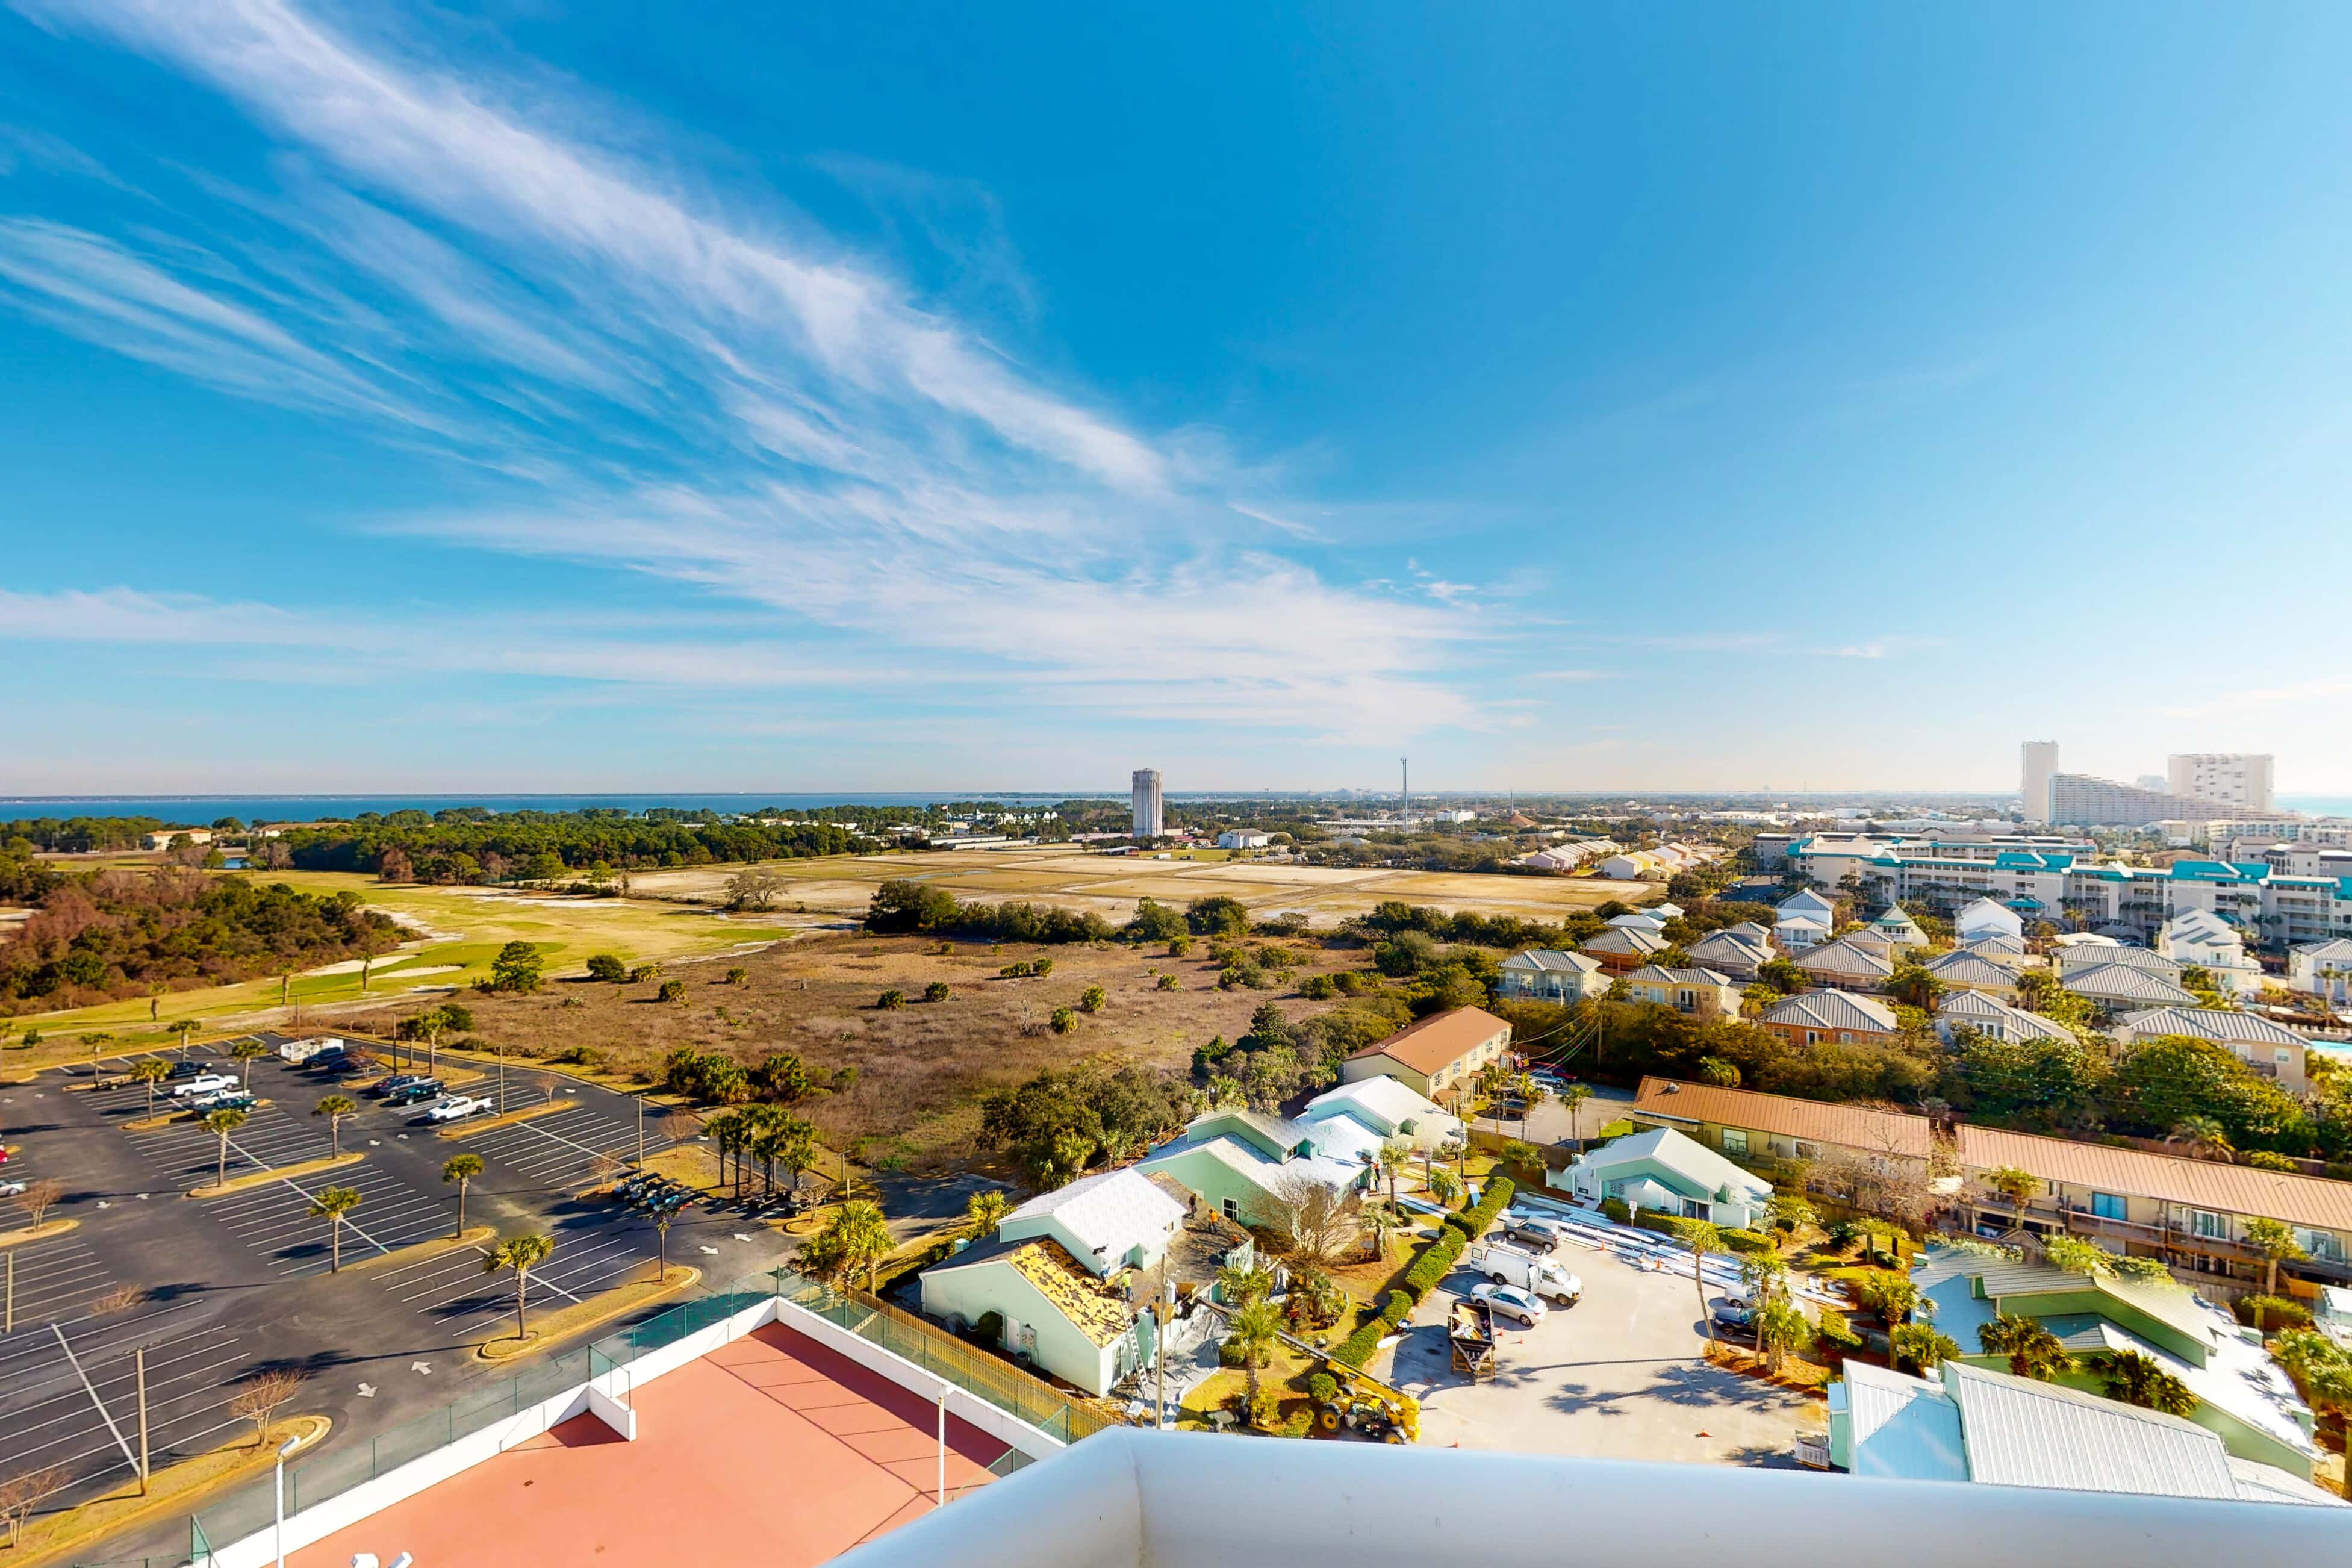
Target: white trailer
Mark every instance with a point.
(1536, 1275)
(303, 1050)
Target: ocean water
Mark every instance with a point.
(2318, 804)
(200, 810)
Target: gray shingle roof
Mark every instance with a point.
(1969, 969)
(1832, 1010)
(2123, 982)
(1982, 1012)
(2212, 1024)
(1551, 960)
(1846, 960)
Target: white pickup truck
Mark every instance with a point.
(1537, 1276)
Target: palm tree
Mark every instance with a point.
(1256, 1329)
(220, 1124)
(661, 1230)
(1780, 1327)
(1702, 1236)
(984, 1211)
(2277, 1244)
(1922, 1346)
(2014, 1185)
(1444, 1186)
(1766, 1273)
(151, 1071)
(726, 1130)
(1573, 1096)
(245, 1051)
(2136, 1379)
(523, 1254)
(2032, 1351)
(334, 1107)
(461, 1168)
(795, 1146)
(1530, 1093)
(856, 1237)
(1395, 1157)
(331, 1205)
(2201, 1136)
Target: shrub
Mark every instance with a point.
(1472, 1221)
(2271, 1312)
(1747, 1241)
(1266, 1414)
(739, 976)
(1179, 946)
(1323, 1388)
(892, 1000)
(2267, 1160)
(1041, 967)
(1065, 1020)
(1616, 1209)
(1092, 1000)
(1838, 1339)
(673, 990)
(644, 972)
(1319, 988)
(1014, 972)
(1436, 1260)
(604, 966)
(936, 990)
(1300, 1423)
(1651, 1219)
(990, 1329)
(1167, 982)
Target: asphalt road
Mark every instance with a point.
(223, 1288)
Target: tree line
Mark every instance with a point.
(461, 847)
(114, 934)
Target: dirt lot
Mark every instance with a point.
(922, 1068)
(1110, 885)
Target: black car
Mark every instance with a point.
(186, 1069)
(387, 1088)
(415, 1093)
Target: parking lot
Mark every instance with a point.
(217, 1289)
(1623, 1375)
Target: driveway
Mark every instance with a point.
(1621, 1376)
(1551, 1122)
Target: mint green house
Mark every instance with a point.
(1662, 1172)
(2243, 1398)
(1242, 1163)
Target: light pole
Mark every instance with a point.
(641, 1132)
(277, 1533)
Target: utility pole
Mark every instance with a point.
(141, 1361)
(1166, 1316)
(1404, 792)
(11, 1327)
(641, 1132)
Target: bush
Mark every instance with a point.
(1179, 946)
(644, 972)
(1323, 1388)
(1747, 1241)
(604, 966)
(1837, 1337)
(1014, 972)
(2268, 1160)
(1319, 988)
(936, 990)
(1358, 1348)
(1616, 1209)
(1301, 1422)
(890, 1001)
(672, 991)
(1065, 1020)
(1436, 1260)
(1041, 967)
(2272, 1312)
(990, 1329)
(1167, 982)
(1651, 1219)
(1092, 1000)
(1266, 1415)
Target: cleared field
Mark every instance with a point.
(921, 1068)
(1111, 885)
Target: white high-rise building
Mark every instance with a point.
(1144, 793)
(2041, 764)
(2231, 778)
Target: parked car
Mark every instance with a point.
(1727, 1313)
(1533, 1231)
(223, 1099)
(453, 1107)
(13, 1189)
(1551, 1078)
(397, 1082)
(1510, 1301)
(186, 1070)
(415, 1093)
(1537, 1276)
(203, 1083)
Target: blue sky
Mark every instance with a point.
(539, 396)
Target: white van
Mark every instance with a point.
(1516, 1266)
(303, 1050)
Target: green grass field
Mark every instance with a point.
(467, 929)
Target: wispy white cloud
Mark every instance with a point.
(709, 394)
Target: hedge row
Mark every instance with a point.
(1420, 1276)
(1472, 1221)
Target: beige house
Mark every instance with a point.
(1435, 1057)
(2271, 1049)
(1818, 1018)
(2192, 1213)
(1701, 992)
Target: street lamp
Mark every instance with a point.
(278, 1535)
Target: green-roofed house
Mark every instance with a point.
(2243, 1396)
